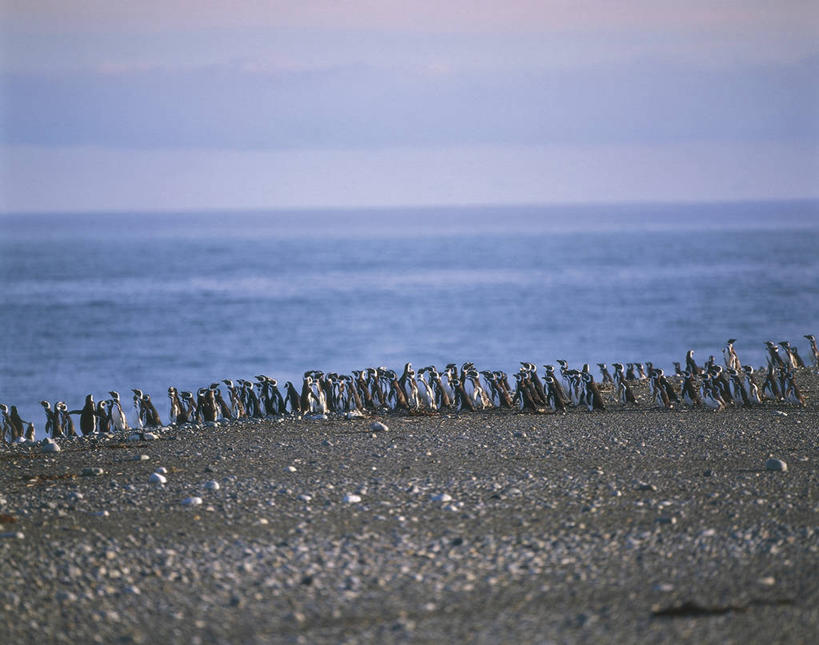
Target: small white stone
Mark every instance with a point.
(192, 501)
(768, 581)
(50, 447)
(212, 485)
(150, 436)
(141, 458)
(377, 426)
(352, 499)
(157, 478)
(292, 469)
(162, 470)
(776, 465)
(441, 497)
(305, 498)
(134, 436)
(17, 535)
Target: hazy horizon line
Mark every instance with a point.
(309, 209)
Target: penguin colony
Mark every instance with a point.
(379, 389)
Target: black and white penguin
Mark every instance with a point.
(220, 401)
(237, 408)
(65, 419)
(791, 358)
(730, 356)
(814, 349)
(622, 390)
(604, 373)
(176, 409)
(658, 393)
(773, 352)
(770, 386)
(152, 419)
(691, 364)
(88, 416)
(139, 419)
(593, 399)
(5, 424)
(118, 419)
(791, 390)
(292, 399)
(53, 426)
(103, 420)
(18, 426)
(690, 394)
(750, 386)
(191, 414)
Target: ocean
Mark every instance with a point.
(95, 302)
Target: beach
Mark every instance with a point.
(631, 525)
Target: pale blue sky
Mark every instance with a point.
(187, 104)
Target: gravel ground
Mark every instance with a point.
(631, 525)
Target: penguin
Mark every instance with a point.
(773, 352)
(558, 387)
(220, 401)
(88, 416)
(307, 401)
(622, 389)
(793, 354)
(553, 399)
(191, 415)
(103, 422)
(118, 419)
(690, 394)
(363, 391)
(206, 404)
(666, 385)
(53, 427)
(678, 369)
(770, 386)
(814, 349)
(18, 426)
(537, 384)
(140, 410)
(658, 392)
(730, 356)
(292, 398)
(750, 386)
(462, 399)
(791, 390)
(721, 385)
(152, 419)
(409, 386)
(709, 396)
(524, 392)
(604, 373)
(425, 392)
(176, 406)
(691, 364)
(65, 420)
(5, 424)
(443, 396)
(631, 374)
(237, 408)
(593, 399)
(737, 388)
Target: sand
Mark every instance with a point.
(630, 525)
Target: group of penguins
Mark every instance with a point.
(378, 389)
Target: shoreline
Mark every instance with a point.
(626, 526)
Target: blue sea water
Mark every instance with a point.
(94, 302)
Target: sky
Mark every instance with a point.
(107, 105)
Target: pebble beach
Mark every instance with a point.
(632, 525)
